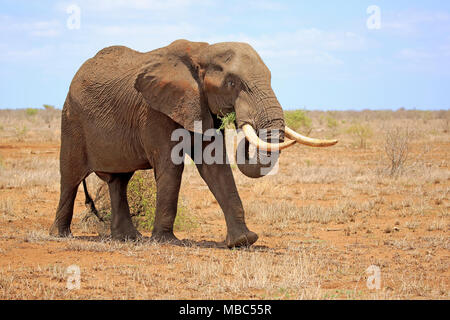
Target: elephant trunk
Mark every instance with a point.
(260, 116)
(268, 121)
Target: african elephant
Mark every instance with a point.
(122, 107)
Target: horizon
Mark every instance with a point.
(361, 55)
(284, 109)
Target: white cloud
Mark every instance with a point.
(308, 46)
(50, 28)
(30, 54)
(168, 31)
(413, 22)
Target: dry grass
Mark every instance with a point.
(322, 220)
(30, 172)
(283, 213)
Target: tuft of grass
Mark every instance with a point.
(412, 225)
(437, 225)
(21, 132)
(7, 208)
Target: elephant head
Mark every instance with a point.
(194, 81)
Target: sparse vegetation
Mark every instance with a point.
(31, 112)
(361, 133)
(396, 147)
(6, 208)
(49, 114)
(322, 220)
(48, 107)
(332, 123)
(21, 133)
(298, 120)
(142, 203)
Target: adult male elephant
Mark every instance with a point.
(123, 106)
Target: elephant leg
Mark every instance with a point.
(168, 181)
(64, 213)
(73, 171)
(122, 227)
(220, 181)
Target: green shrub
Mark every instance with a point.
(360, 133)
(141, 195)
(332, 123)
(31, 112)
(297, 119)
(142, 198)
(142, 202)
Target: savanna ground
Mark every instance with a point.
(325, 218)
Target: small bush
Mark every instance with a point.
(141, 195)
(332, 123)
(360, 133)
(142, 202)
(142, 198)
(297, 120)
(49, 114)
(48, 107)
(31, 112)
(21, 132)
(396, 147)
(445, 126)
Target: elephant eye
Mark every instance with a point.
(230, 83)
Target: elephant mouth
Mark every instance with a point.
(292, 138)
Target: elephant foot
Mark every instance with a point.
(60, 232)
(166, 237)
(128, 234)
(242, 239)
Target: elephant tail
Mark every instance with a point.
(89, 203)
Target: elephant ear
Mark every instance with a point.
(170, 84)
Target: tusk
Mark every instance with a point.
(253, 138)
(291, 134)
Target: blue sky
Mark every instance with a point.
(321, 53)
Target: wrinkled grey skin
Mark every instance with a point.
(122, 108)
